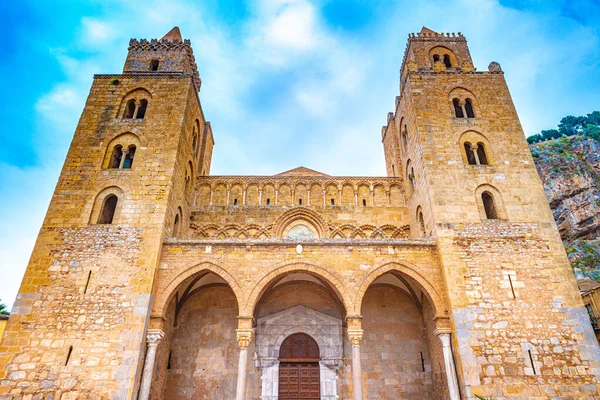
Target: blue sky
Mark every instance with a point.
(285, 82)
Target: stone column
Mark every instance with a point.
(356, 198)
(244, 337)
(244, 197)
(453, 393)
(153, 338)
(355, 333)
(212, 193)
(308, 197)
(474, 148)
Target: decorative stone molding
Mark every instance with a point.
(154, 336)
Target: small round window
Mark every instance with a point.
(300, 232)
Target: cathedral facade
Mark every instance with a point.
(445, 279)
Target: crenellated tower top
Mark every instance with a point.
(170, 54)
(429, 51)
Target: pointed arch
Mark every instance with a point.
(323, 273)
(438, 302)
(193, 271)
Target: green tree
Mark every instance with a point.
(571, 125)
(593, 118)
(534, 138)
(3, 310)
(592, 131)
(550, 134)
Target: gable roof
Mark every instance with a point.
(173, 34)
(301, 171)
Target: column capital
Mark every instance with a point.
(244, 338)
(355, 337)
(154, 336)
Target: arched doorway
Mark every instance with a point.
(299, 371)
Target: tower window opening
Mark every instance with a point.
(176, 226)
(458, 111)
(422, 225)
(412, 179)
(128, 162)
(469, 108)
(333, 202)
(154, 65)
(129, 109)
(364, 202)
(481, 154)
(512, 289)
(69, 355)
(470, 154)
(117, 155)
(299, 202)
(141, 112)
(436, 58)
(393, 170)
(169, 360)
(489, 206)
(447, 62)
(532, 363)
(87, 282)
(268, 202)
(195, 142)
(235, 202)
(108, 210)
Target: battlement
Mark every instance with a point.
(169, 54)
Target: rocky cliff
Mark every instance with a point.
(570, 171)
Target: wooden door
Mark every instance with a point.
(299, 380)
(299, 372)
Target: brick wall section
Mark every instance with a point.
(492, 331)
(106, 325)
(391, 349)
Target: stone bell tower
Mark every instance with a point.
(79, 323)
(518, 321)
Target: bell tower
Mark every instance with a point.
(471, 184)
(79, 322)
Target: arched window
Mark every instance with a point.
(481, 154)
(489, 205)
(176, 226)
(154, 65)
(436, 58)
(458, 111)
(422, 228)
(115, 158)
(128, 162)
(129, 109)
(195, 142)
(470, 155)
(469, 108)
(447, 62)
(141, 112)
(109, 206)
(188, 178)
(411, 177)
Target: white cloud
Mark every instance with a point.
(340, 86)
(96, 32)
